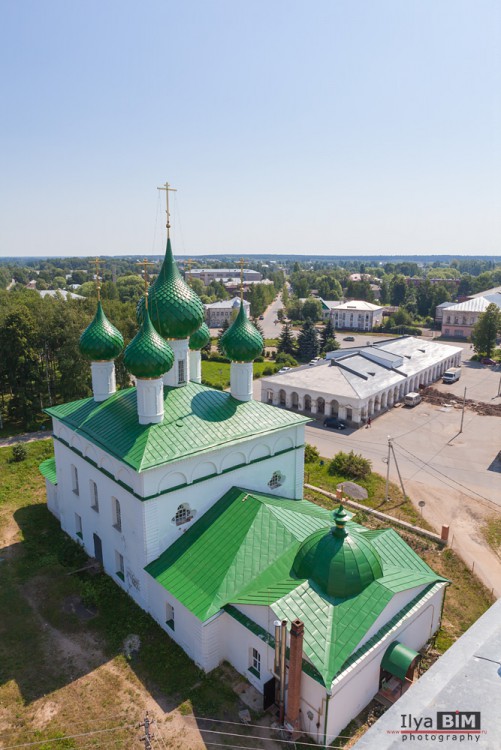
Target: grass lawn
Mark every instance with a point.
(492, 533)
(217, 374)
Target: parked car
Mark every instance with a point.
(283, 369)
(312, 362)
(261, 317)
(488, 361)
(334, 423)
(349, 338)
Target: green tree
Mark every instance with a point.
(224, 327)
(398, 288)
(312, 309)
(486, 330)
(286, 341)
(328, 333)
(308, 343)
(21, 366)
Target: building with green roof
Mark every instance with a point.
(192, 500)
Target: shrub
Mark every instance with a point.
(268, 371)
(311, 454)
(259, 359)
(19, 453)
(285, 359)
(350, 465)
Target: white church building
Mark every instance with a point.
(191, 498)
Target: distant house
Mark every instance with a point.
(217, 312)
(328, 307)
(357, 315)
(458, 320)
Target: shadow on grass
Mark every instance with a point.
(37, 580)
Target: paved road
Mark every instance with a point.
(26, 437)
(272, 331)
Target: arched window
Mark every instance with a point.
(276, 480)
(183, 514)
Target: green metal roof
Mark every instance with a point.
(101, 341)
(398, 658)
(242, 550)
(197, 419)
(148, 355)
(242, 342)
(48, 469)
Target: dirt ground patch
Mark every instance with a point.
(439, 398)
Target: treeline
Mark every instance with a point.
(40, 362)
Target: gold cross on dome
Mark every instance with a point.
(145, 263)
(97, 263)
(168, 189)
(242, 261)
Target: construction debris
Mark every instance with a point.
(439, 398)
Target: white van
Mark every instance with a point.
(451, 375)
(412, 399)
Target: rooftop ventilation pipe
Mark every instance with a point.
(283, 650)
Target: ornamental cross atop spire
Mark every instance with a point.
(168, 189)
(145, 263)
(97, 263)
(241, 278)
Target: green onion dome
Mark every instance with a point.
(342, 563)
(175, 310)
(101, 341)
(200, 338)
(242, 342)
(148, 355)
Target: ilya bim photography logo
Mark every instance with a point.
(449, 727)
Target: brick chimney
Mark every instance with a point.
(295, 672)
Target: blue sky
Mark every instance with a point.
(336, 126)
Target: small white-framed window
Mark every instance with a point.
(117, 514)
(78, 525)
(184, 514)
(74, 479)
(119, 565)
(94, 496)
(276, 480)
(181, 371)
(255, 663)
(169, 616)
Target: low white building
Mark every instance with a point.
(191, 498)
(361, 382)
(217, 312)
(222, 274)
(357, 315)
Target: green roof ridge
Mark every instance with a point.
(101, 341)
(200, 338)
(148, 355)
(176, 311)
(242, 342)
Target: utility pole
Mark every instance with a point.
(386, 494)
(398, 470)
(462, 411)
(147, 736)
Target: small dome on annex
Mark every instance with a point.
(175, 310)
(242, 342)
(342, 563)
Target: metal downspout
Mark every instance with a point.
(327, 699)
